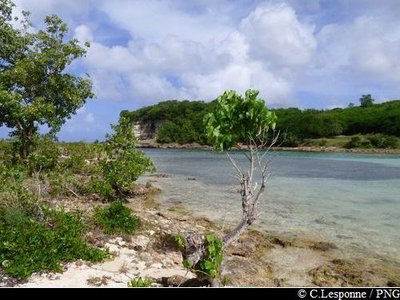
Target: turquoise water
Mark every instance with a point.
(352, 200)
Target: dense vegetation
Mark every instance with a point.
(183, 121)
(36, 173)
(36, 236)
(116, 218)
(35, 88)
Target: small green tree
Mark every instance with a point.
(35, 88)
(123, 163)
(366, 101)
(235, 119)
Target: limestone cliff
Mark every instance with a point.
(147, 130)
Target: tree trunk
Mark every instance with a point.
(26, 138)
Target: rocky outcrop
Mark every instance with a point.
(147, 130)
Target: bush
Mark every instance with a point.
(140, 282)
(210, 265)
(322, 143)
(29, 245)
(374, 140)
(116, 218)
(123, 165)
(66, 183)
(76, 164)
(289, 140)
(121, 173)
(358, 142)
(45, 157)
(383, 141)
(13, 195)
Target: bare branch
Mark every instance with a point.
(72, 192)
(234, 164)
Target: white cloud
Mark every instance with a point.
(176, 51)
(82, 115)
(277, 37)
(65, 9)
(356, 57)
(169, 64)
(83, 33)
(154, 20)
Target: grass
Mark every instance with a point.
(116, 218)
(341, 141)
(338, 141)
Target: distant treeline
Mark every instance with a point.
(183, 121)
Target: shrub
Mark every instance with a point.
(140, 282)
(76, 164)
(13, 195)
(116, 218)
(29, 245)
(290, 140)
(66, 183)
(322, 143)
(119, 174)
(210, 264)
(383, 141)
(355, 142)
(45, 157)
(123, 165)
(373, 140)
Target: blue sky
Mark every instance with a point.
(304, 53)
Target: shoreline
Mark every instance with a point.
(150, 144)
(255, 259)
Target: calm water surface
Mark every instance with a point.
(352, 200)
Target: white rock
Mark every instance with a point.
(141, 241)
(156, 266)
(113, 248)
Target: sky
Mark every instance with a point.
(298, 53)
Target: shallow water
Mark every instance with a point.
(352, 200)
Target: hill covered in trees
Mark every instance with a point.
(182, 121)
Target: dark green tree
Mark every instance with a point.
(35, 88)
(366, 101)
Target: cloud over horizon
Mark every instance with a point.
(320, 55)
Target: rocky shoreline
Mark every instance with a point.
(152, 144)
(256, 259)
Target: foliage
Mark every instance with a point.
(13, 194)
(90, 151)
(295, 125)
(120, 173)
(366, 101)
(237, 119)
(116, 218)
(45, 156)
(374, 140)
(180, 241)
(170, 132)
(123, 164)
(34, 87)
(383, 141)
(210, 264)
(29, 245)
(140, 282)
(182, 120)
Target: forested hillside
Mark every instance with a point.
(183, 121)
